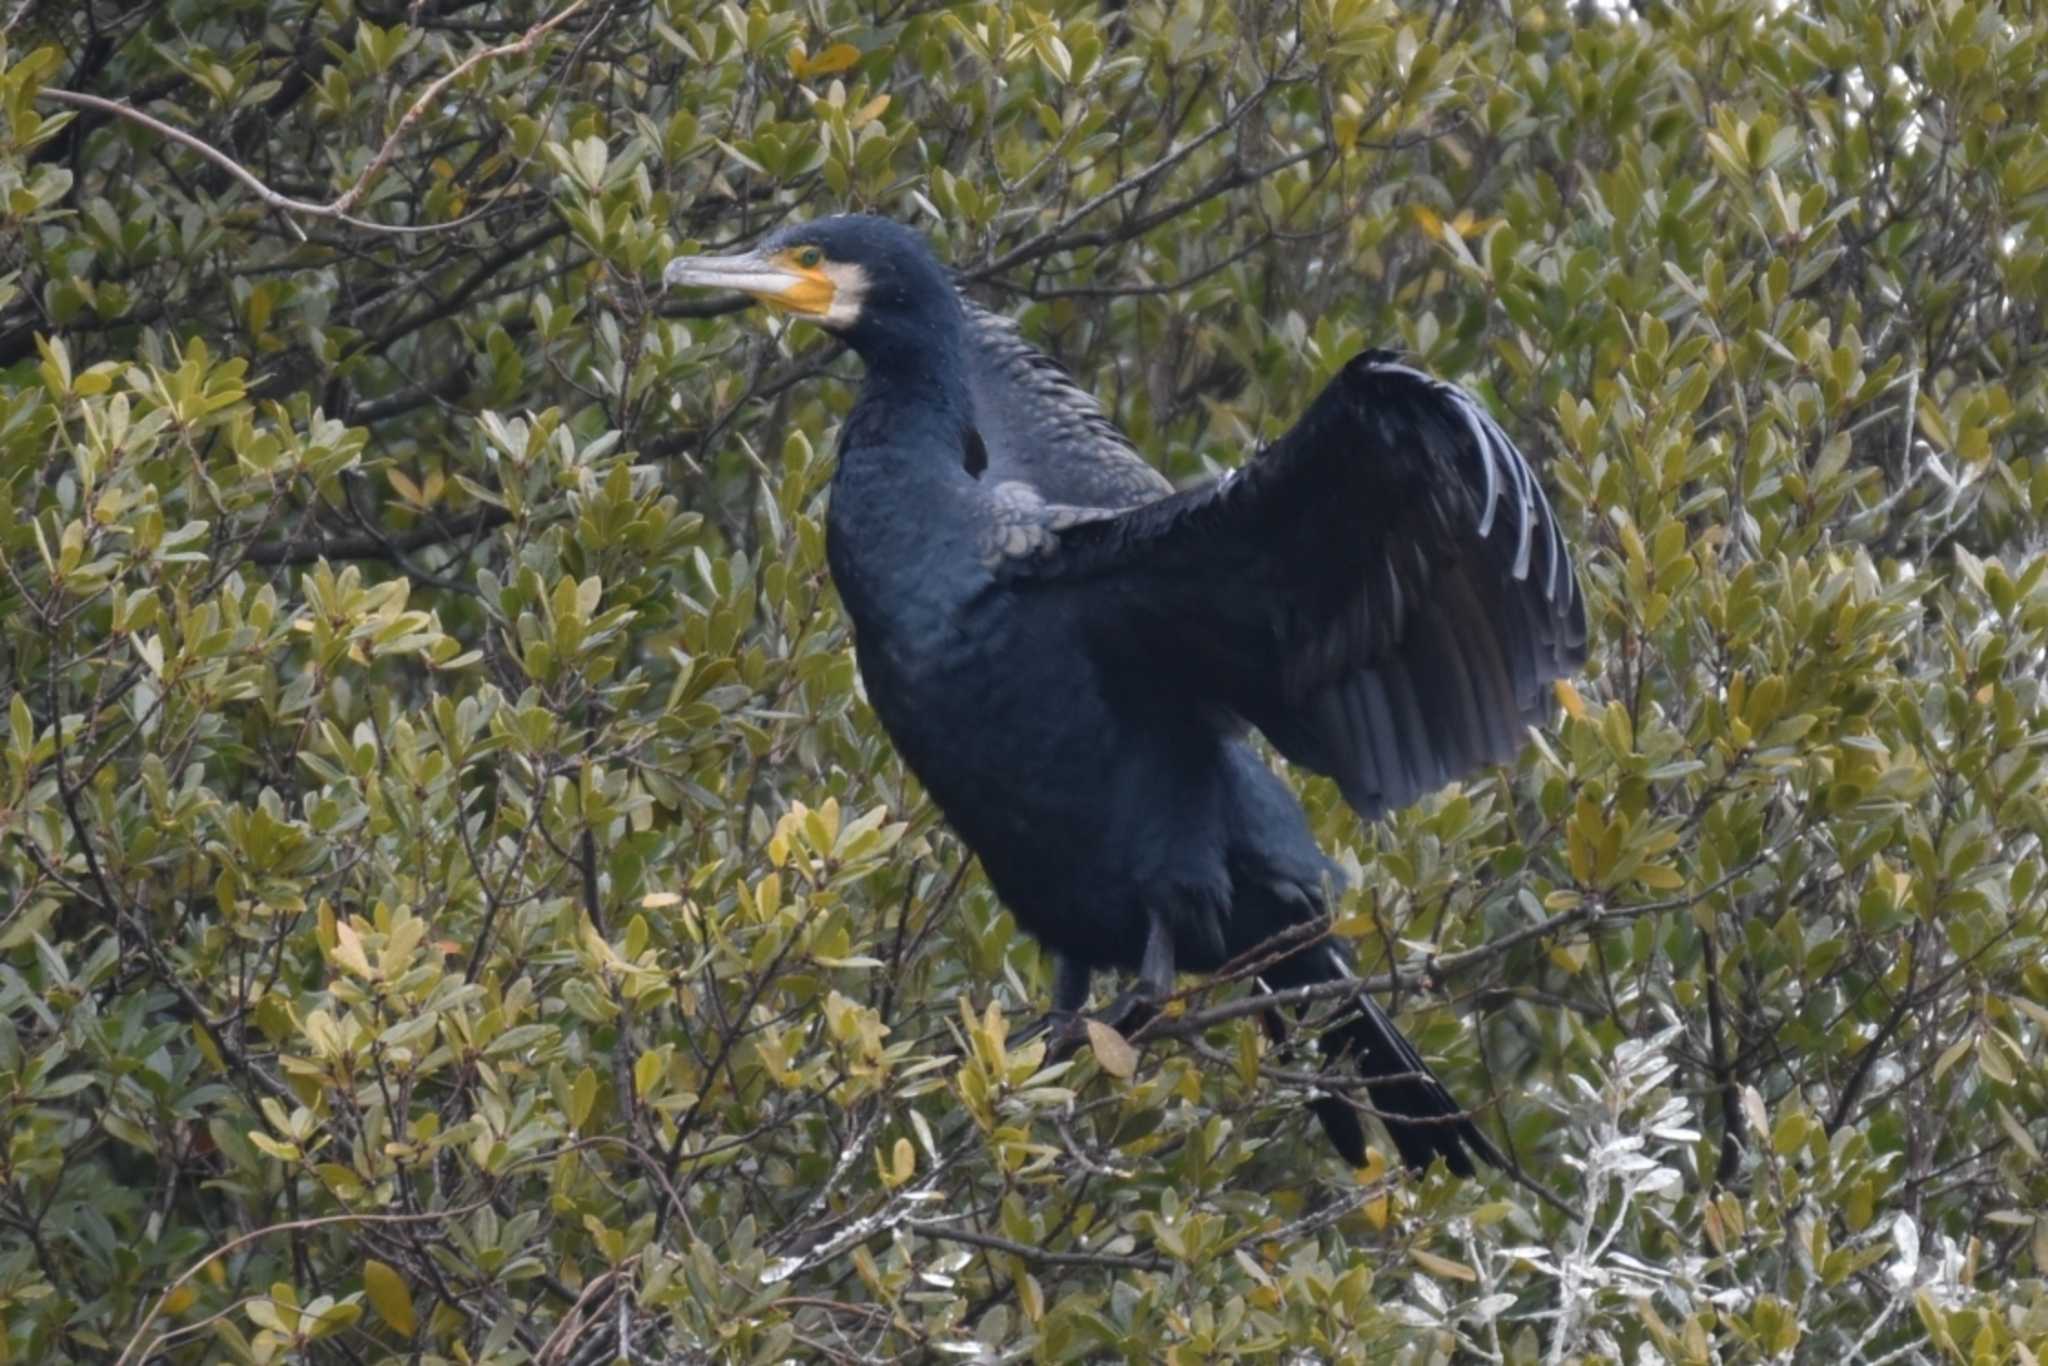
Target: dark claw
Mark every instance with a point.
(1069, 1032)
(1131, 1011)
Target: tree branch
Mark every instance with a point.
(931, 1228)
(376, 547)
(338, 208)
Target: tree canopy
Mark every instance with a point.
(456, 904)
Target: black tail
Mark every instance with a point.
(1424, 1120)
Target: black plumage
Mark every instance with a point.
(1068, 653)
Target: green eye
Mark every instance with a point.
(809, 257)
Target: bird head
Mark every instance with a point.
(868, 279)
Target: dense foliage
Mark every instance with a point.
(453, 897)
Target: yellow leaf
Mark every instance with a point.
(1659, 877)
(1030, 1297)
(388, 1295)
(204, 1043)
(1568, 697)
(259, 309)
(830, 62)
(1442, 1267)
(348, 949)
(1112, 1052)
(1992, 1061)
(654, 901)
(1427, 219)
(582, 1096)
(646, 1072)
(406, 488)
(902, 1162)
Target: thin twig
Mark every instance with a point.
(283, 203)
(1038, 1256)
(338, 208)
(518, 46)
(292, 1226)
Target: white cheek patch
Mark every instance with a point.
(849, 290)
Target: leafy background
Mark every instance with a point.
(455, 904)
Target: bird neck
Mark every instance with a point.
(895, 536)
(914, 409)
(906, 438)
(914, 344)
(895, 511)
(918, 384)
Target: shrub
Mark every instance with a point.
(455, 903)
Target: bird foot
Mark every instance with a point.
(1131, 1011)
(1066, 1030)
(1069, 1031)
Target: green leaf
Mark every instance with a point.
(388, 1296)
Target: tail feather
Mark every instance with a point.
(1421, 1116)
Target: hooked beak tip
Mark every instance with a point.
(749, 272)
(684, 271)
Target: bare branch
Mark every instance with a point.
(337, 208)
(290, 1226)
(932, 1228)
(519, 46)
(376, 546)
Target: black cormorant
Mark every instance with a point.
(1068, 653)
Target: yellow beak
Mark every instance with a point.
(773, 280)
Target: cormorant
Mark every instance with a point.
(1068, 653)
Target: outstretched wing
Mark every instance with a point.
(1384, 592)
(1041, 429)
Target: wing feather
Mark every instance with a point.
(1385, 592)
